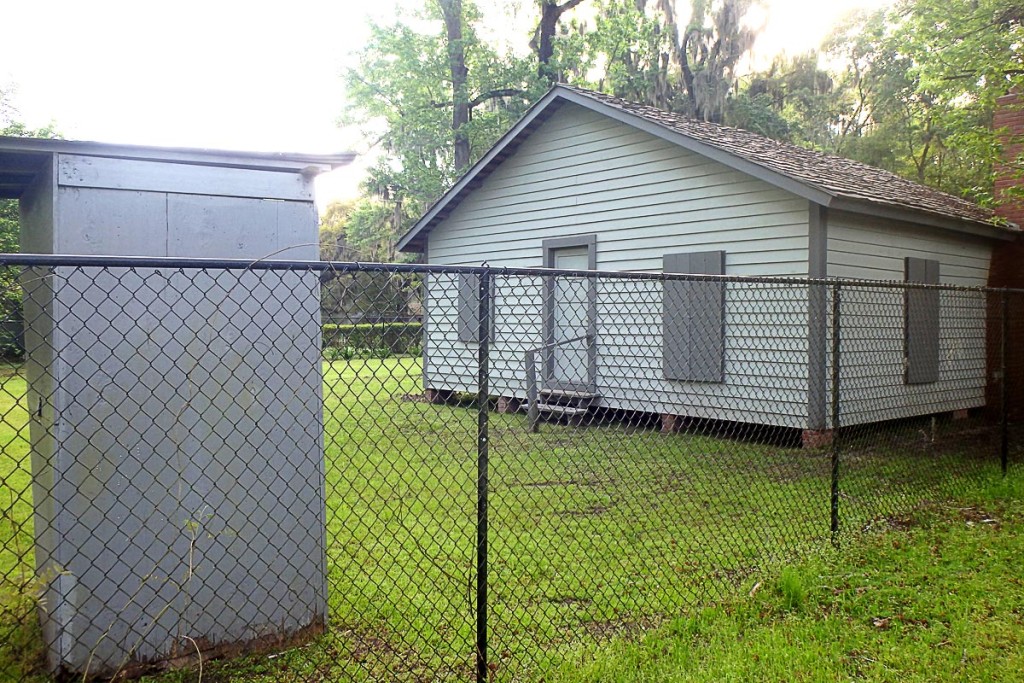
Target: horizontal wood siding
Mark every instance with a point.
(765, 349)
(581, 173)
(642, 198)
(873, 361)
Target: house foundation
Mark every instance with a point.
(438, 396)
(508, 404)
(816, 438)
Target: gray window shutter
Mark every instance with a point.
(675, 326)
(693, 319)
(469, 307)
(921, 323)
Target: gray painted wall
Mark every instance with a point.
(642, 197)
(873, 348)
(178, 459)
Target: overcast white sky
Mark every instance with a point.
(235, 75)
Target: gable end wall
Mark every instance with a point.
(582, 173)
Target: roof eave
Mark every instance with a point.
(921, 217)
(415, 239)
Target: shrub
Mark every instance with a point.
(344, 353)
(397, 338)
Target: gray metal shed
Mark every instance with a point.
(127, 433)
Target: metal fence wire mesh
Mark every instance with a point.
(310, 472)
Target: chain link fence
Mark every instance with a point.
(319, 472)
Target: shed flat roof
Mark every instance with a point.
(22, 158)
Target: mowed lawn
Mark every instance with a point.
(596, 532)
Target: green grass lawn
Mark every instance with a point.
(597, 532)
(937, 597)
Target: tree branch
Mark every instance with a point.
(567, 5)
(494, 94)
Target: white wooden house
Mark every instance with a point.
(588, 181)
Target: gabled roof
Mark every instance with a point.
(825, 179)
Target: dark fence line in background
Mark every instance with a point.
(475, 486)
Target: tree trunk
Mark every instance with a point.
(544, 41)
(451, 10)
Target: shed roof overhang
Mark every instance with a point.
(22, 158)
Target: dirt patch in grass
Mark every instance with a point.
(376, 651)
(901, 523)
(977, 515)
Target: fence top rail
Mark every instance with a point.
(342, 267)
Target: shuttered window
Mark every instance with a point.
(693, 319)
(469, 308)
(921, 323)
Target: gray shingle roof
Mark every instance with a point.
(833, 174)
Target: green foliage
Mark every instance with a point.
(914, 93)
(757, 113)
(398, 481)
(381, 339)
(939, 600)
(400, 94)
(634, 48)
(791, 588)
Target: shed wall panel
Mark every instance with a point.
(167, 400)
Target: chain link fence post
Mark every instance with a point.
(483, 410)
(1004, 440)
(834, 450)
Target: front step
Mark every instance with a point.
(562, 411)
(573, 399)
(573, 406)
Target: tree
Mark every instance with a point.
(543, 42)
(433, 97)
(360, 230)
(634, 47)
(708, 51)
(793, 100)
(922, 80)
(451, 11)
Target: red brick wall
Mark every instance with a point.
(1007, 268)
(1009, 115)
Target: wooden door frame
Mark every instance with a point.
(549, 247)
